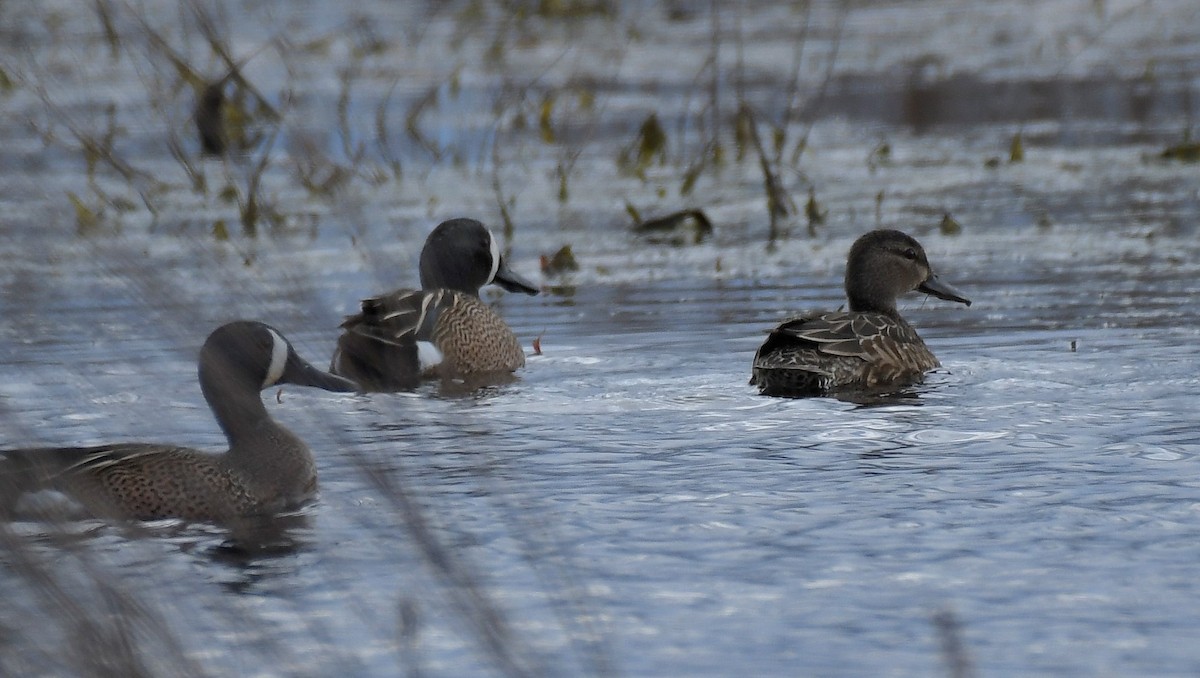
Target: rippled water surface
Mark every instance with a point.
(629, 505)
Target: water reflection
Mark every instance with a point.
(254, 539)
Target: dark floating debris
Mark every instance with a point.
(210, 120)
(685, 227)
(227, 122)
(1188, 151)
(224, 120)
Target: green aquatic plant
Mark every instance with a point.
(412, 121)
(690, 176)
(366, 40)
(743, 133)
(86, 218)
(504, 204)
(1188, 151)
(949, 225)
(573, 9)
(880, 155)
(649, 146)
(383, 137)
(109, 28)
(545, 115)
(562, 261)
(1016, 149)
(353, 151)
(779, 202)
(563, 173)
(814, 213)
(633, 211)
(319, 174)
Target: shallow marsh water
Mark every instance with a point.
(629, 506)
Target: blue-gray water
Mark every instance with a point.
(629, 505)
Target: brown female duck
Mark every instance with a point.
(868, 348)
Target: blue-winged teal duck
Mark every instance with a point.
(266, 469)
(866, 348)
(442, 330)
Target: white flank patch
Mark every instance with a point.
(495, 247)
(279, 355)
(428, 355)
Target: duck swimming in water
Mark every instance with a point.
(266, 469)
(442, 330)
(869, 347)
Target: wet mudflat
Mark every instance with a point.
(629, 506)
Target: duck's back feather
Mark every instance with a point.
(379, 348)
(821, 352)
(140, 481)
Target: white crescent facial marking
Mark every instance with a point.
(495, 247)
(428, 355)
(279, 356)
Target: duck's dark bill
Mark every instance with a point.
(942, 290)
(512, 282)
(301, 373)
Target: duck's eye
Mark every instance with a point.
(910, 253)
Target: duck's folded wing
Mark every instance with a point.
(870, 336)
(44, 466)
(78, 471)
(120, 480)
(398, 318)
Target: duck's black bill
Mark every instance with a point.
(512, 282)
(942, 290)
(302, 373)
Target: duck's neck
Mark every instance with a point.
(866, 304)
(460, 288)
(237, 407)
(448, 280)
(271, 461)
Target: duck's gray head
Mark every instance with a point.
(250, 356)
(462, 255)
(884, 264)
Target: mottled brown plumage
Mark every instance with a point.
(867, 348)
(442, 330)
(266, 469)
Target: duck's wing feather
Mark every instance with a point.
(823, 351)
(380, 347)
(81, 472)
(872, 337)
(398, 318)
(31, 468)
